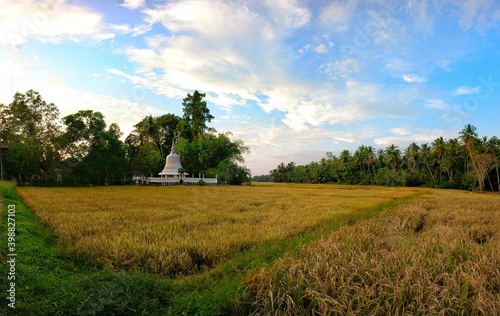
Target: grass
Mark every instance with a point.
(436, 255)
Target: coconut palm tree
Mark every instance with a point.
(425, 157)
(439, 148)
(370, 157)
(392, 156)
(468, 136)
(411, 154)
(345, 158)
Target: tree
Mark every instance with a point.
(345, 158)
(82, 131)
(95, 155)
(206, 154)
(412, 155)
(392, 156)
(426, 158)
(196, 115)
(159, 131)
(468, 136)
(494, 149)
(481, 165)
(29, 127)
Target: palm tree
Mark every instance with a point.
(468, 136)
(451, 153)
(370, 157)
(392, 156)
(359, 159)
(438, 147)
(345, 158)
(380, 157)
(425, 156)
(411, 154)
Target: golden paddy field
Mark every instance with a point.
(422, 252)
(186, 229)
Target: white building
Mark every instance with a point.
(173, 174)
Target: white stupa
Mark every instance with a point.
(172, 165)
(170, 174)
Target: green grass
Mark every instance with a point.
(50, 282)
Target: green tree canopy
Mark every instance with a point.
(30, 127)
(195, 118)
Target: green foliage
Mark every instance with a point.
(467, 163)
(95, 155)
(215, 154)
(87, 153)
(29, 127)
(196, 115)
(386, 176)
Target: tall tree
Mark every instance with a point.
(392, 156)
(345, 159)
(426, 158)
(439, 148)
(95, 155)
(195, 118)
(468, 136)
(30, 127)
(481, 164)
(412, 155)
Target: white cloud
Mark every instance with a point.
(412, 78)
(437, 105)
(289, 13)
(420, 137)
(131, 4)
(338, 14)
(464, 90)
(126, 110)
(321, 49)
(341, 68)
(474, 12)
(444, 64)
(48, 21)
(399, 131)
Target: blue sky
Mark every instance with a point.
(292, 79)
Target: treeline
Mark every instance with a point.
(468, 162)
(80, 149)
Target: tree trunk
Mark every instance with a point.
(430, 172)
(498, 178)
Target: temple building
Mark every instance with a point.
(173, 173)
(173, 167)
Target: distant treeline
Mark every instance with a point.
(80, 149)
(468, 162)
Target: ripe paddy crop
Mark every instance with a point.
(436, 255)
(183, 229)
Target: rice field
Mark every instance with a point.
(182, 230)
(439, 254)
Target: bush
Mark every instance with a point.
(386, 177)
(412, 179)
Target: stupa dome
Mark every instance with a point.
(172, 164)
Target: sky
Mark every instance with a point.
(292, 79)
